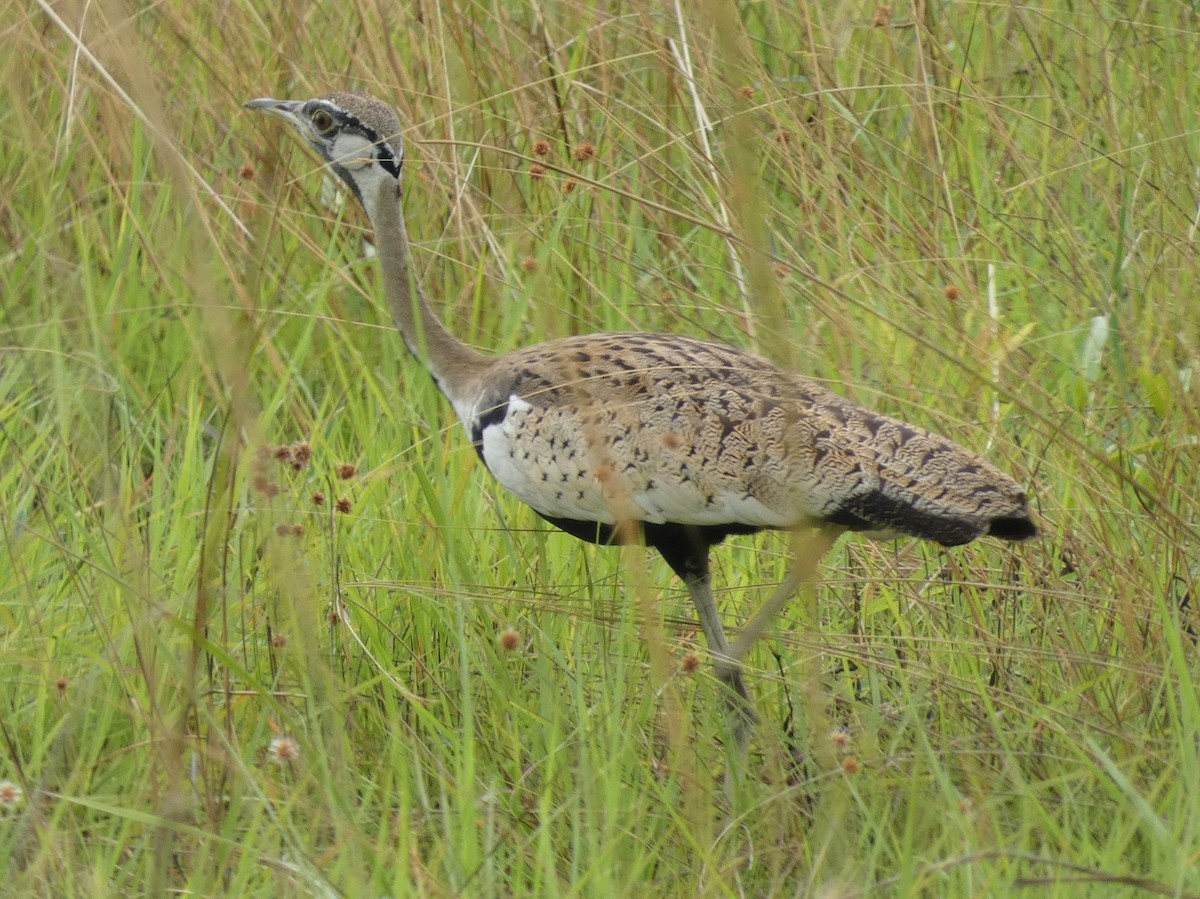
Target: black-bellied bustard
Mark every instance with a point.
(680, 442)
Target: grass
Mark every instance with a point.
(980, 217)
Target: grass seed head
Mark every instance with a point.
(510, 639)
(11, 795)
(284, 750)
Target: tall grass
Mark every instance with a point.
(232, 671)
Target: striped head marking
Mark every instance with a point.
(357, 136)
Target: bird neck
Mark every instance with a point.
(451, 362)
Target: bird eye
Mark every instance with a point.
(322, 121)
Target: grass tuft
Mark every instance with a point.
(269, 629)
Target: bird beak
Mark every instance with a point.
(288, 110)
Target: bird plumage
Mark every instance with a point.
(676, 441)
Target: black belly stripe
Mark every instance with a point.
(486, 418)
(684, 546)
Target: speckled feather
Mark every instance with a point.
(661, 428)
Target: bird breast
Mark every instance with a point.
(628, 427)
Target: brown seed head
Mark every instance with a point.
(283, 530)
(510, 639)
(343, 505)
(282, 452)
(584, 151)
(782, 270)
(537, 171)
(284, 750)
(297, 530)
(10, 794)
(850, 765)
(840, 737)
(246, 172)
(529, 265)
(301, 454)
(278, 640)
(747, 92)
(346, 470)
(689, 663)
(318, 498)
(952, 292)
(541, 148)
(883, 16)
(569, 186)
(61, 686)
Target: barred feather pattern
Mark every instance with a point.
(661, 428)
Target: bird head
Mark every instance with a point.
(357, 136)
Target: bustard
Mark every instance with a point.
(680, 442)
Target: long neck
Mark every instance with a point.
(452, 363)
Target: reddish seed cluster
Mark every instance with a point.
(246, 172)
(569, 185)
(840, 737)
(952, 292)
(529, 265)
(343, 505)
(346, 470)
(10, 794)
(265, 486)
(747, 92)
(541, 148)
(537, 171)
(584, 151)
(689, 663)
(883, 16)
(318, 498)
(510, 640)
(284, 750)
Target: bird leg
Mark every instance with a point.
(806, 554)
(728, 667)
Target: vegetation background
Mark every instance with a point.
(235, 666)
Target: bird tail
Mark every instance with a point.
(925, 486)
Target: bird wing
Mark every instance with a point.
(659, 428)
